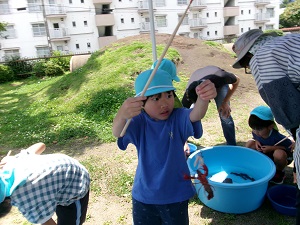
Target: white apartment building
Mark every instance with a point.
(34, 28)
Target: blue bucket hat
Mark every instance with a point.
(160, 83)
(168, 66)
(263, 112)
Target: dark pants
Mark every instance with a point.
(73, 214)
(148, 214)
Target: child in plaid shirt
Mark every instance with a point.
(39, 185)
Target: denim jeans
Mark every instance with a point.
(148, 214)
(227, 123)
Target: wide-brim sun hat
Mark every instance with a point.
(263, 112)
(168, 66)
(243, 45)
(160, 83)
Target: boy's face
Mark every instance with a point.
(264, 132)
(160, 106)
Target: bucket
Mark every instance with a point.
(238, 176)
(283, 199)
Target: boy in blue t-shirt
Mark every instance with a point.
(159, 131)
(268, 140)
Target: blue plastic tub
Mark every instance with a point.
(283, 199)
(246, 174)
(192, 147)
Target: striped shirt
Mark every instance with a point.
(275, 67)
(277, 58)
(54, 179)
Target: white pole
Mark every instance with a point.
(152, 30)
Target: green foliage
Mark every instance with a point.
(6, 73)
(291, 15)
(63, 61)
(39, 68)
(53, 69)
(19, 66)
(278, 32)
(2, 26)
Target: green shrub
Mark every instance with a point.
(63, 62)
(19, 66)
(39, 68)
(6, 73)
(53, 69)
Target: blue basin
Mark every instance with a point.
(238, 176)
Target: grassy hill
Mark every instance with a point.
(78, 105)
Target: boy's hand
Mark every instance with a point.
(132, 107)
(206, 90)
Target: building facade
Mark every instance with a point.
(35, 28)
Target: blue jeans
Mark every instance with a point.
(227, 123)
(149, 214)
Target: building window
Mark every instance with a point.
(9, 32)
(216, 32)
(249, 11)
(270, 27)
(182, 2)
(249, 28)
(160, 3)
(12, 53)
(88, 44)
(242, 30)
(35, 6)
(216, 14)
(207, 33)
(185, 20)
(42, 51)
(132, 20)
(122, 20)
(4, 7)
(82, 1)
(77, 46)
(70, 1)
(38, 29)
(85, 23)
(74, 24)
(242, 12)
(161, 21)
(270, 11)
(195, 35)
(207, 15)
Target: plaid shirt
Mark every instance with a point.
(52, 180)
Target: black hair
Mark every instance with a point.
(244, 62)
(159, 95)
(5, 207)
(257, 123)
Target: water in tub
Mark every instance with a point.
(231, 176)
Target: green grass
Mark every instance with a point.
(78, 105)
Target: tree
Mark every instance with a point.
(2, 26)
(291, 15)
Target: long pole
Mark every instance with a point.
(158, 63)
(152, 30)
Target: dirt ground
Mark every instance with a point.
(106, 210)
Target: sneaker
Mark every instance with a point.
(278, 178)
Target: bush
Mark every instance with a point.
(6, 73)
(53, 69)
(39, 68)
(19, 66)
(63, 62)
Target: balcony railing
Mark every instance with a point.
(198, 4)
(59, 33)
(198, 23)
(262, 2)
(55, 10)
(262, 17)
